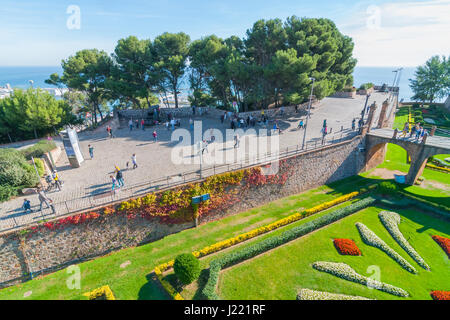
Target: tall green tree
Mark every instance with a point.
(170, 53)
(88, 71)
(133, 76)
(35, 111)
(432, 80)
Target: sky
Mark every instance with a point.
(386, 33)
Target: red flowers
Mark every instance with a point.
(346, 247)
(444, 243)
(440, 295)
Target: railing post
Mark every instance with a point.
(65, 202)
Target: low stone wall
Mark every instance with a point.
(351, 94)
(48, 250)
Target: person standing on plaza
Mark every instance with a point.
(108, 130)
(143, 125)
(134, 161)
(91, 151)
(191, 124)
(300, 125)
(155, 136)
(353, 124)
(130, 124)
(119, 177)
(26, 206)
(405, 130)
(44, 199)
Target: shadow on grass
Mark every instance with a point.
(153, 290)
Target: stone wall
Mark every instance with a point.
(49, 250)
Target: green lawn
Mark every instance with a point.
(136, 282)
(280, 273)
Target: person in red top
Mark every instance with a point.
(142, 124)
(155, 136)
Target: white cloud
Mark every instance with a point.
(408, 33)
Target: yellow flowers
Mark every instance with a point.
(432, 166)
(102, 291)
(249, 235)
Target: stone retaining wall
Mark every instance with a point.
(49, 250)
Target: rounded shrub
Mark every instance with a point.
(187, 268)
(387, 187)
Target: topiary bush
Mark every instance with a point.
(187, 268)
(387, 187)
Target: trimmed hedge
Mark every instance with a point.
(426, 205)
(387, 187)
(209, 291)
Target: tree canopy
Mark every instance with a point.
(432, 80)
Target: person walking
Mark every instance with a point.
(300, 125)
(111, 135)
(353, 124)
(134, 161)
(143, 125)
(91, 151)
(114, 184)
(130, 124)
(418, 133)
(44, 199)
(155, 136)
(119, 177)
(236, 141)
(26, 206)
(56, 179)
(108, 130)
(191, 124)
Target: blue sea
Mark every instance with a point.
(19, 77)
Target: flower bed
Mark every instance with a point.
(308, 294)
(98, 293)
(440, 295)
(346, 272)
(275, 241)
(391, 220)
(444, 243)
(347, 247)
(371, 239)
(251, 234)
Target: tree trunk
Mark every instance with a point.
(175, 94)
(9, 137)
(35, 133)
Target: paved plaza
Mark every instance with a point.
(86, 184)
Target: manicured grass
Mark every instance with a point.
(136, 282)
(280, 273)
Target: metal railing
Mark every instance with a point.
(92, 201)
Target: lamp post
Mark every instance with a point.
(309, 112)
(365, 107)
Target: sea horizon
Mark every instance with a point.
(19, 77)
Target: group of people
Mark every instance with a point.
(43, 199)
(137, 123)
(418, 131)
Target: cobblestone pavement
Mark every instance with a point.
(83, 187)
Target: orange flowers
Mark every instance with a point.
(347, 247)
(440, 295)
(444, 243)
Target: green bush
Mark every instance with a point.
(187, 268)
(40, 166)
(39, 149)
(15, 171)
(366, 86)
(387, 187)
(417, 113)
(7, 191)
(209, 291)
